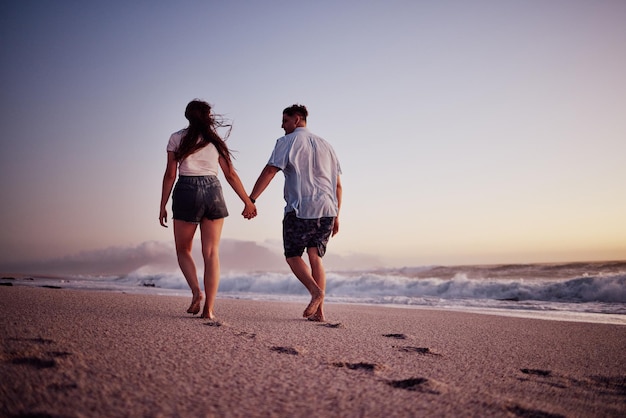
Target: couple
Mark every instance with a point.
(312, 192)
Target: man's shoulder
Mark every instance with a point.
(321, 141)
(301, 134)
(286, 139)
(306, 133)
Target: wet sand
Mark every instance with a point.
(73, 353)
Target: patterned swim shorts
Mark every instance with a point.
(299, 234)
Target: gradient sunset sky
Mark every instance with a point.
(468, 131)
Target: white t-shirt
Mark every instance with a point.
(311, 169)
(204, 162)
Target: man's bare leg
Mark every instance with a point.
(319, 275)
(303, 273)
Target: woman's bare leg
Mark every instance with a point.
(210, 234)
(183, 236)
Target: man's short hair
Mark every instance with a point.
(297, 109)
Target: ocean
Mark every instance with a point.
(588, 292)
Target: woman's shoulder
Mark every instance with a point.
(175, 139)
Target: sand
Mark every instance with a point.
(73, 353)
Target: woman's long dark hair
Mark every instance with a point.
(202, 131)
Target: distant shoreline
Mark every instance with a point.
(72, 283)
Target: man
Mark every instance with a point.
(313, 196)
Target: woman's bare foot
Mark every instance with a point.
(314, 304)
(207, 313)
(194, 308)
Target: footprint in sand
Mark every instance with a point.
(36, 362)
(287, 350)
(369, 367)
(418, 384)
(215, 323)
(537, 372)
(546, 377)
(614, 385)
(59, 353)
(425, 351)
(396, 336)
(606, 385)
(331, 325)
(532, 413)
(46, 362)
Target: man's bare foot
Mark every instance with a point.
(317, 317)
(314, 304)
(194, 308)
(207, 314)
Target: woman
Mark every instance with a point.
(196, 153)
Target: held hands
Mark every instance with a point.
(249, 211)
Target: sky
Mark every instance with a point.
(469, 132)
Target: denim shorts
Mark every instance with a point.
(299, 234)
(198, 197)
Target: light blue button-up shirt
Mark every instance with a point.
(311, 169)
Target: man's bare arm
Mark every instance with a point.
(265, 178)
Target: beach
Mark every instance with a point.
(77, 353)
